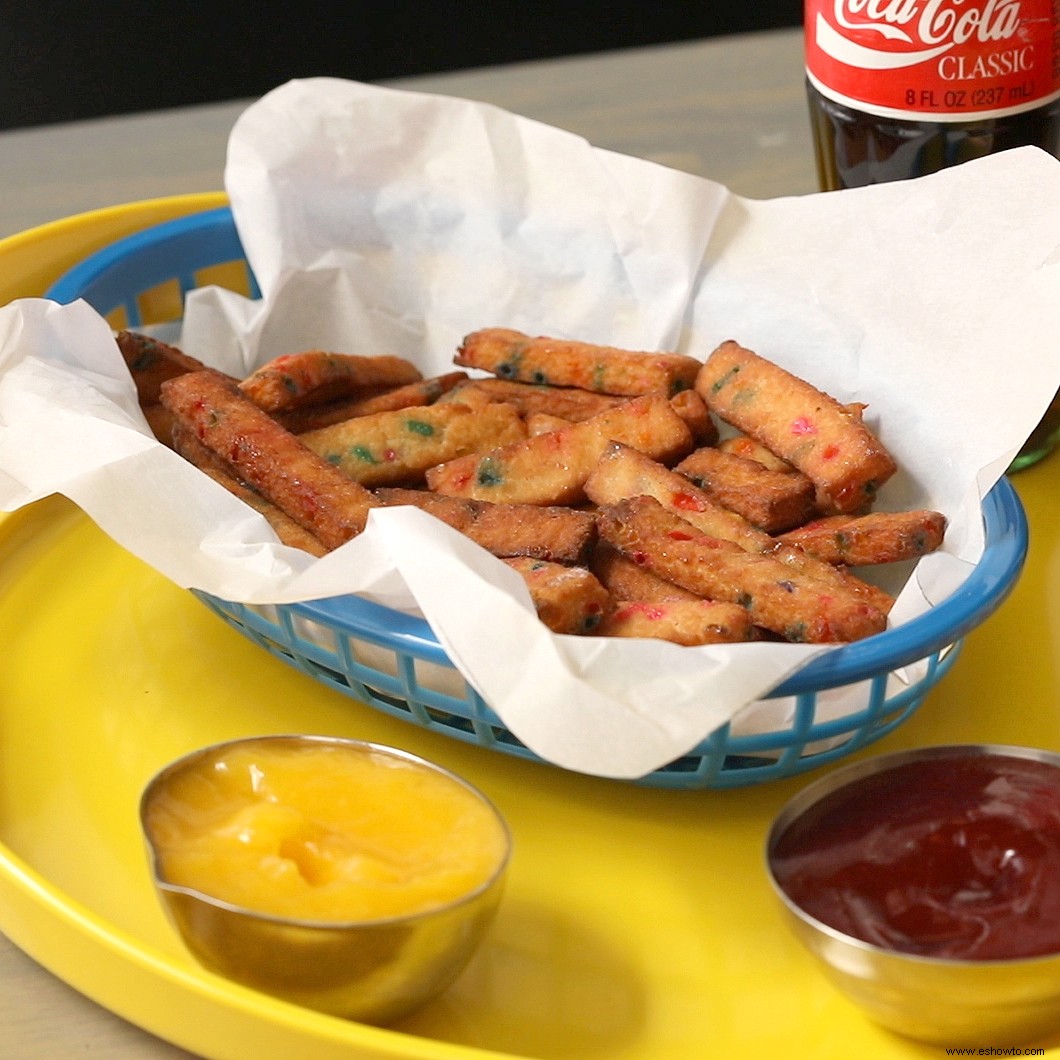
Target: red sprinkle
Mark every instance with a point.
(687, 502)
(830, 452)
(652, 611)
(803, 425)
(679, 535)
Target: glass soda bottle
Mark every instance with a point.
(901, 88)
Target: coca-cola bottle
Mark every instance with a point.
(903, 88)
(900, 88)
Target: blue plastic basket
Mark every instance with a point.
(395, 663)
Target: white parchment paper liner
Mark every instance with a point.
(382, 221)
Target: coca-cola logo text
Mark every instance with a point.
(931, 22)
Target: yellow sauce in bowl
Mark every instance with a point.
(332, 831)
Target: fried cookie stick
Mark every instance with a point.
(561, 535)
(801, 611)
(206, 460)
(566, 362)
(622, 472)
(374, 399)
(151, 362)
(880, 537)
(568, 403)
(396, 448)
(774, 501)
(270, 459)
(314, 376)
(567, 599)
(687, 622)
(552, 468)
(825, 440)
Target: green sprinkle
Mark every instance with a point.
(599, 371)
(419, 427)
(796, 633)
(489, 472)
(149, 353)
(510, 368)
(539, 377)
(842, 541)
(725, 379)
(363, 453)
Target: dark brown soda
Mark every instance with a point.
(854, 148)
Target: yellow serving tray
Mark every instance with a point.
(638, 922)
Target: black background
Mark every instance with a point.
(66, 61)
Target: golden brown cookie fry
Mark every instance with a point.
(552, 468)
(396, 448)
(687, 404)
(773, 501)
(207, 461)
(687, 622)
(542, 423)
(316, 376)
(749, 449)
(568, 403)
(880, 537)
(161, 421)
(151, 363)
(286, 529)
(375, 399)
(693, 410)
(804, 426)
(188, 446)
(567, 599)
(623, 472)
(567, 362)
(799, 610)
(271, 460)
(561, 535)
(626, 580)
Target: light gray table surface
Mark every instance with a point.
(732, 109)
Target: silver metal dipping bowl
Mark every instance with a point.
(374, 971)
(949, 1002)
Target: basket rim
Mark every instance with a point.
(982, 592)
(79, 278)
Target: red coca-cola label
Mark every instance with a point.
(947, 59)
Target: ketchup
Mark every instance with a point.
(955, 857)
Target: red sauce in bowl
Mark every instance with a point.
(953, 857)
